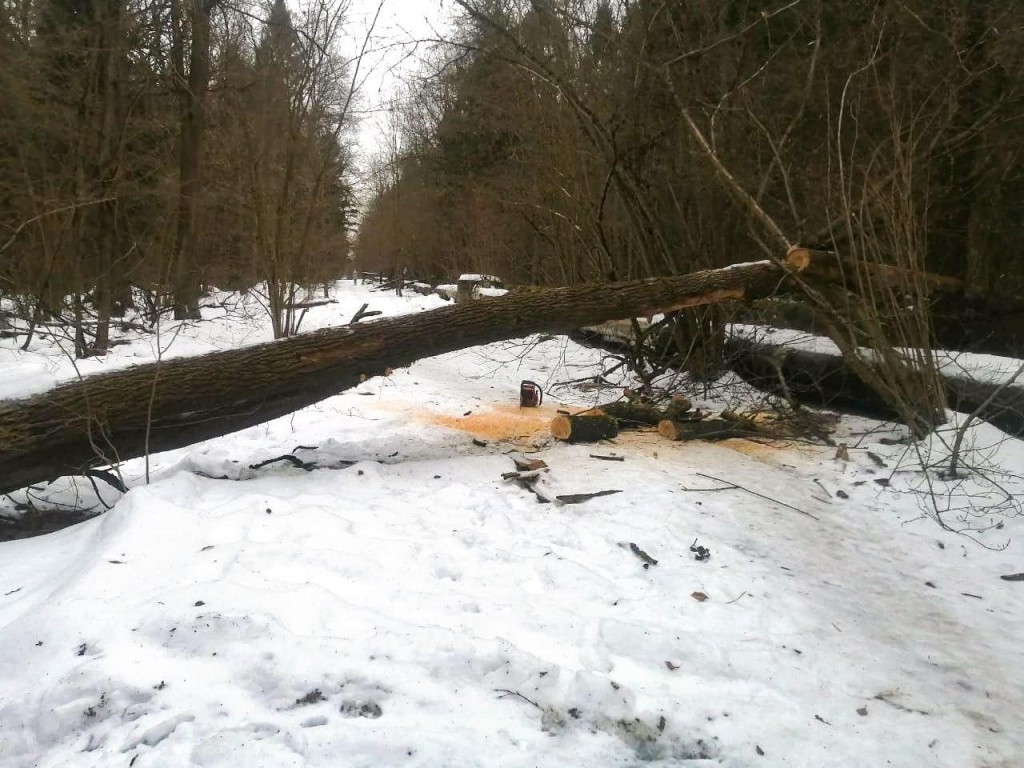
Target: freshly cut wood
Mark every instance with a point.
(705, 430)
(584, 427)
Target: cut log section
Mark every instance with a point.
(633, 412)
(584, 427)
(705, 430)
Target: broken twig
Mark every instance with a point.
(648, 560)
(738, 487)
(579, 498)
(505, 693)
(293, 460)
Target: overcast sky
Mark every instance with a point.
(401, 23)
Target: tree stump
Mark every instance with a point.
(584, 427)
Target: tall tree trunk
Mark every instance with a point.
(950, 219)
(109, 94)
(192, 115)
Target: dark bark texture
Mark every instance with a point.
(112, 417)
(822, 379)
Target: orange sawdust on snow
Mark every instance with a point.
(769, 452)
(500, 422)
(494, 422)
(512, 423)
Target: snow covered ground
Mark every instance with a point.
(402, 605)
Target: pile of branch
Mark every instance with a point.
(677, 421)
(605, 421)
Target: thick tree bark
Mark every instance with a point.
(824, 379)
(192, 129)
(124, 414)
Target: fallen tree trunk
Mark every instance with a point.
(112, 417)
(819, 378)
(814, 378)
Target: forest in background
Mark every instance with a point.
(866, 154)
(152, 148)
(564, 141)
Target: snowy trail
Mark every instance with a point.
(412, 609)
